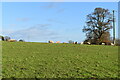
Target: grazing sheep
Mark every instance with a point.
(57, 41)
(76, 42)
(103, 43)
(50, 41)
(82, 43)
(73, 43)
(12, 40)
(112, 44)
(88, 43)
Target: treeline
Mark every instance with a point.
(7, 38)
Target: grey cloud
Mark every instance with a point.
(53, 5)
(12, 25)
(50, 5)
(6, 32)
(56, 21)
(23, 19)
(37, 32)
(60, 10)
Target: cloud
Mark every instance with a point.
(23, 19)
(6, 32)
(39, 32)
(60, 10)
(56, 21)
(53, 6)
(49, 6)
(12, 25)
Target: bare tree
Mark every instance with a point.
(70, 41)
(6, 38)
(105, 38)
(98, 22)
(117, 42)
(2, 38)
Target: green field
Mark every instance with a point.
(45, 60)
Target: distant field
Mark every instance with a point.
(43, 60)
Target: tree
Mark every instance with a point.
(6, 38)
(70, 41)
(2, 38)
(21, 40)
(105, 38)
(117, 42)
(98, 23)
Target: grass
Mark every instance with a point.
(43, 60)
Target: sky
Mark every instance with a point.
(60, 0)
(44, 21)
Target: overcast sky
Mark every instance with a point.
(43, 21)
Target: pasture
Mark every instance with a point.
(47, 60)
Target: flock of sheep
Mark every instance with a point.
(65, 42)
(76, 42)
(59, 42)
(50, 41)
(12, 40)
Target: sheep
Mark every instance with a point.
(103, 43)
(88, 43)
(112, 44)
(73, 43)
(76, 42)
(50, 41)
(12, 40)
(57, 41)
(82, 43)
